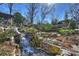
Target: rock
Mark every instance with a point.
(76, 48)
(40, 37)
(49, 46)
(54, 49)
(65, 52)
(67, 45)
(58, 34)
(2, 29)
(12, 40)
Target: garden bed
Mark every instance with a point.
(6, 50)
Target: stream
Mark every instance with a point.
(26, 49)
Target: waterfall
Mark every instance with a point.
(26, 49)
(16, 30)
(25, 45)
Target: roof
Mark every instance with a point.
(5, 15)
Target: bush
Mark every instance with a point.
(35, 42)
(73, 25)
(65, 31)
(1, 19)
(46, 26)
(5, 35)
(32, 30)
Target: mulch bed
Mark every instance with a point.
(6, 49)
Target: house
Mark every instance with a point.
(5, 15)
(6, 18)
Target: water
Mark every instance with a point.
(26, 48)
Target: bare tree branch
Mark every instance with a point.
(32, 11)
(45, 10)
(10, 5)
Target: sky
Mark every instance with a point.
(59, 9)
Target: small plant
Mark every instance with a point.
(32, 30)
(6, 34)
(35, 42)
(65, 31)
(46, 27)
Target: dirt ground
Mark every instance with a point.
(8, 50)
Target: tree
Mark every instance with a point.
(66, 20)
(66, 15)
(18, 19)
(32, 11)
(74, 13)
(45, 10)
(55, 21)
(72, 24)
(10, 6)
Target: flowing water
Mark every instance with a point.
(26, 48)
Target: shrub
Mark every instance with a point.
(65, 31)
(46, 26)
(32, 30)
(35, 42)
(73, 25)
(5, 35)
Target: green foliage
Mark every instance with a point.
(70, 23)
(46, 26)
(2, 37)
(35, 42)
(73, 24)
(65, 31)
(32, 30)
(5, 35)
(1, 19)
(55, 21)
(18, 19)
(66, 21)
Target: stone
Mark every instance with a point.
(65, 52)
(40, 37)
(12, 40)
(58, 34)
(76, 48)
